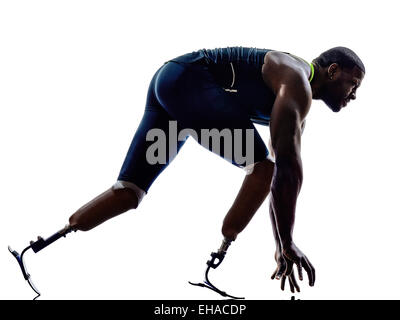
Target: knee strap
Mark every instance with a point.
(250, 167)
(130, 185)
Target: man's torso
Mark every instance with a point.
(238, 71)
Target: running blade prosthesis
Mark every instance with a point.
(219, 256)
(36, 246)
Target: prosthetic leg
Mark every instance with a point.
(252, 194)
(219, 256)
(36, 246)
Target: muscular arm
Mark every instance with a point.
(289, 82)
(288, 174)
(271, 209)
(293, 100)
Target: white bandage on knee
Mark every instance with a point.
(271, 157)
(271, 153)
(130, 185)
(249, 169)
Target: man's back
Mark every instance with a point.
(238, 71)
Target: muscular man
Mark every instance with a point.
(226, 89)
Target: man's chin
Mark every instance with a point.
(334, 107)
(337, 109)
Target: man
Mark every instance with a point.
(232, 88)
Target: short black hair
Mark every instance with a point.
(343, 56)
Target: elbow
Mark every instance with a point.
(288, 170)
(290, 160)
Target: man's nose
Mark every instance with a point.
(353, 96)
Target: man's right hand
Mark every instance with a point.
(293, 255)
(280, 273)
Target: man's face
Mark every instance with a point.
(341, 86)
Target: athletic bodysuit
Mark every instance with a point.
(218, 89)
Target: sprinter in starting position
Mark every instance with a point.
(228, 89)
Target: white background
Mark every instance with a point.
(73, 84)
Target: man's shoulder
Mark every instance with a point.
(279, 64)
(287, 77)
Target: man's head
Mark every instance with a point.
(341, 72)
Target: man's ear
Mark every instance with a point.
(332, 70)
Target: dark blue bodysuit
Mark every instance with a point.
(238, 71)
(209, 89)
